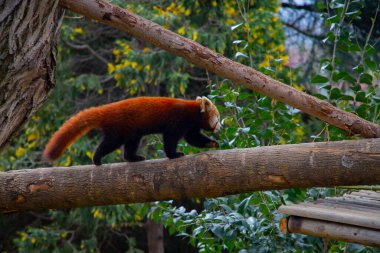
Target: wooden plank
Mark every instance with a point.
(331, 230)
(363, 194)
(352, 204)
(362, 201)
(335, 214)
(370, 192)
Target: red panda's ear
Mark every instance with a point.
(202, 104)
(205, 104)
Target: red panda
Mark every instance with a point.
(124, 123)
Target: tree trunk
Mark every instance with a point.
(210, 174)
(28, 31)
(155, 233)
(203, 57)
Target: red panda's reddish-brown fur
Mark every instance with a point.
(130, 118)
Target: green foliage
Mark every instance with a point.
(350, 84)
(247, 31)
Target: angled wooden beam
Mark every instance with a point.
(209, 174)
(204, 57)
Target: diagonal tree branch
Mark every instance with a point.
(203, 57)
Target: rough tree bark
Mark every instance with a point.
(203, 57)
(28, 31)
(209, 174)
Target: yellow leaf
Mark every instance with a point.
(23, 236)
(182, 88)
(111, 68)
(89, 154)
(298, 87)
(134, 64)
(68, 161)
(285, 60)
(78, 30)
(97, 214)
(118, 76)
(20, 151)
(31, 137)
(281, 48)
(195, 35)
(181, 30)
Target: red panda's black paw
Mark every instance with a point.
(212, 144)
(175, 155)
(135, 158)
(96, 162)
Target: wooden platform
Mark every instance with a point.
(354, 217)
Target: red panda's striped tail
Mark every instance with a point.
(69, 132)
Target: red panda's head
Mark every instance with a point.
(210, 115)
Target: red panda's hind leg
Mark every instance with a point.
(109, 144)
(130, 148)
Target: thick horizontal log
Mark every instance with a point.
(203, 57)
(330, 230)
(209, 174)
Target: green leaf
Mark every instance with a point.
(356, 88)
(353, 14)
(370, 64)
(218, 231)
(327, 66)
(197, 231)
(235, 26)
(333, 19)
(237, 41)
(354, 48)
(347, 98)
(362, 110)
(347, 77)
(239, 54)
(371, 51)
(335, 93)
(243, 205)
(338, 76)
(358, 68)
(360, 96)
(320, 96)
(366, 78)
(319, 79)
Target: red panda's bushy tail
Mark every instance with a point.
(69, 132)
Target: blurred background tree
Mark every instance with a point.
(326, 48)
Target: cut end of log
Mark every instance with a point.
(284, 225)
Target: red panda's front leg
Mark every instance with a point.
(195, 138)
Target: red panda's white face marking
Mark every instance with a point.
(211, 114)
